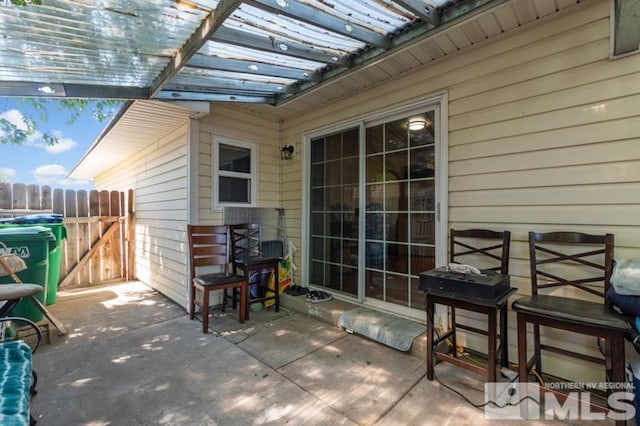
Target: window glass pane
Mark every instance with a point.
(423, 136)
(317, 199)
(335, 224)
(375, 167)
(317, 273)
(374, 284)
(350, 280)
(234, 158)
(334, 198)
(317, 248)
(422, 259)
(335, 250)
(317, 223)
(317, 175)
(417, 295)
(374, 139)
(374, 226)
(350, 142)
(349, 198)
(317, 150)
(396, 166)
(234, 190)
(396, 196)
(398, 258)
(334, 172)
(350, 171)
(422, 195)
(350, 252)
(422, 164)
(334, 147)
(396, 134)
(423, 228)
(332, 276)
(375, 197)
(374, 255)
(397, 289)
(397, 227)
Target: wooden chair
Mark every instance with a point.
(473, 246)
(554, 258)
(208, 247)
(247, 260)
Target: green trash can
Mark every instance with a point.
(33, 244)
(54, 223)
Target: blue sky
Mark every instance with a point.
(37, 163)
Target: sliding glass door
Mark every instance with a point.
(387, 170)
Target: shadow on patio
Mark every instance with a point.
(133, 357)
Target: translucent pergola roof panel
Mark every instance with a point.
(260, 50)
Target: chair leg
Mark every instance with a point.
(492, 331)
(618, 363)
(536, 348)
(429, 307)
(205, 311)
(522, 349)
(523, 370)
(504, 338)
(454, 340)
(192, 301)
(224, 299)
(244, 289)
(276, 286)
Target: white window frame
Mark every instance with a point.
(216, 173)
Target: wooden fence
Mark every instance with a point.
(100, 236)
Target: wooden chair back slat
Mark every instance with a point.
(474, 242)
(546, 249)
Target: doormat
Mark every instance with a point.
(387, 329)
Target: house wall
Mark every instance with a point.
(543, 135)
(229, 122)
(158, 175)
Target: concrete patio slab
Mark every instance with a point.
(359, 378)
(288, 339)
(134, 358)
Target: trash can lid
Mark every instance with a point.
(26, 232)
(34, 219)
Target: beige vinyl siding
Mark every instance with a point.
(158, 175)
(229, 122)
(544, 135)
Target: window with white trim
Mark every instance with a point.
(234, 174)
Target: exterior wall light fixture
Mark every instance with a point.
(286, 152)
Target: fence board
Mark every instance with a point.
(33, 197)
(58, 201)
(46, 196)
(5, 196)
(84, 245)
(70, 208)
(19, 196)
(104, 203)
(94, 203)
(115, 203)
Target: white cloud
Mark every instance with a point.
(15, 117)
(7, 174)
(55, 174)
(64, 144)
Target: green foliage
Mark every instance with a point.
(13, 133)
(25, 2)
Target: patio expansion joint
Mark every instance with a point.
(407, 392)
